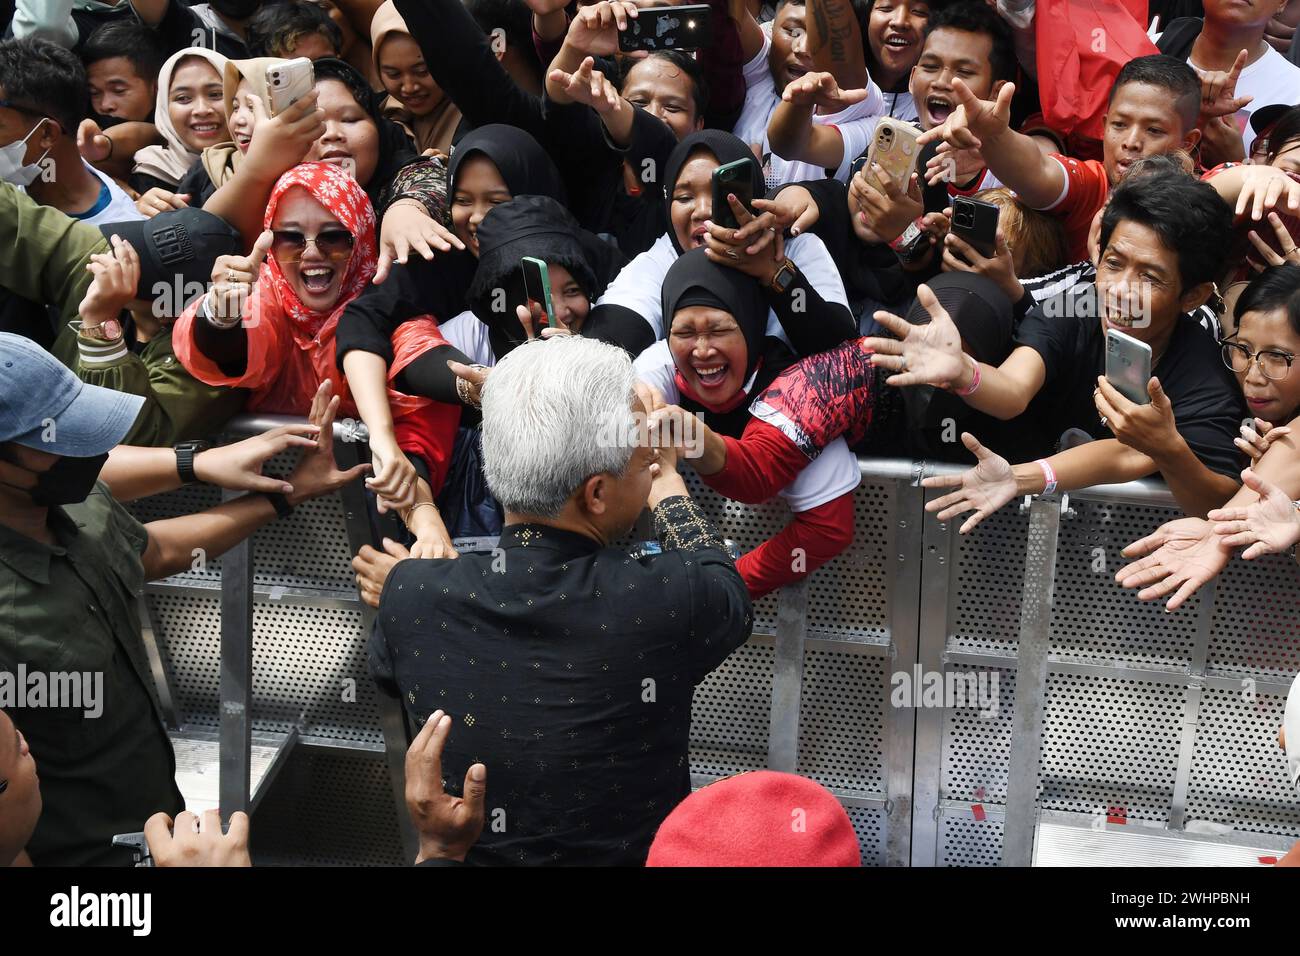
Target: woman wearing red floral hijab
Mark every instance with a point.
(268, 324)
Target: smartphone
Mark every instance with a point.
(1128, 365)
(289, 82)
(894, 149)
(668, 28)
(537, 285)
(738, 179)
(976, 221)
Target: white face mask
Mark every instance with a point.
(12, 169)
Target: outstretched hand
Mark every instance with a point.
(1269, 526)
(982, 489)
(927, 354)
(1178, 557)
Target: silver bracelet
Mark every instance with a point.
(215, 322)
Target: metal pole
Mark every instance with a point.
(235, 734)
(1031, 681)
(787, 676)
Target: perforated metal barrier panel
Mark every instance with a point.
(1147, 717)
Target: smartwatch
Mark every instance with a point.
(786, 273)
(185, 453)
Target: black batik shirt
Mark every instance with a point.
(568, 669)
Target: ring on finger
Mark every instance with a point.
(1105, 423)
(732, 253)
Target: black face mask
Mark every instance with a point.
(235, 9)
(68, 482)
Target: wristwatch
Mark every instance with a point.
(280, 503)
(912, 243)
(786, 273)
(185, 453)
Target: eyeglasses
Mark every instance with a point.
(1274, 364)
(334, 244)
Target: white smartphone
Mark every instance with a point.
(894, 148)
(289, 82)
(1128, 366)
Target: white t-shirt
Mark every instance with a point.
(856, 124)
(113, 204)
(1270, 79)
(118, 208)
(832, 473)
(640, 283)
(901, 106)
(470, 335)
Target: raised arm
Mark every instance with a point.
(751, 34)
(1012, 157)
(931, 354)
(279, 143)
(836, 42)
(791, 131)
(461, 60)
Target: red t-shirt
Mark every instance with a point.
(1086, 188)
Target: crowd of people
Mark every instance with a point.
(495, 235)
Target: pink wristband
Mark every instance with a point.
(1048, 475)
(974, 383)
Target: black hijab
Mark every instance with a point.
(725, 147)
(396, 148)
(534, 226)
(694, 280)
(526, 168)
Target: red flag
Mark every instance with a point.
(1082, 44)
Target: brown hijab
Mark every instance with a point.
(221, 161)
(433, 130)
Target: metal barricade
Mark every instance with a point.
(1105, 714)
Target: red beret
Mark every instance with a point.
(763, 818)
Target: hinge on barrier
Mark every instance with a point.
(918, 472)
(1066, 511)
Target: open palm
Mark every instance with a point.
(982, 489)
(1268, 526)
(1180, 556)
(927, 354)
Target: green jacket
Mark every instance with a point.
(177, 406)
(43, 256)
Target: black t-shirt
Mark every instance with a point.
(1066, 332)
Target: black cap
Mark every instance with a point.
(177, 249)
(1262, 119)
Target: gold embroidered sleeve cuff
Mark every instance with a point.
(681, 525)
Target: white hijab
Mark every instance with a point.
(172, 161)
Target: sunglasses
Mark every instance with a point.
(334, 244)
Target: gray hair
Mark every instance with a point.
(555, 413)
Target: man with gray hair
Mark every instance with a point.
(567, 664)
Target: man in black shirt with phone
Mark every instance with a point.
(1161, 243)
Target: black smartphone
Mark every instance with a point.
(537, 285)
(737, 179)
(976, 222)
(668, 28)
